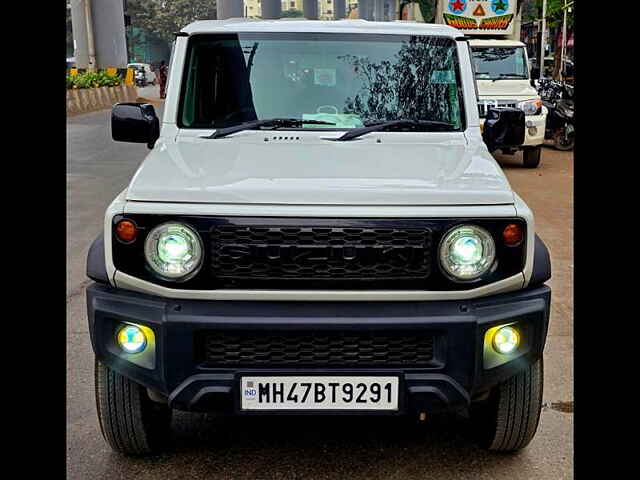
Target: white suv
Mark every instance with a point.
(320, 228)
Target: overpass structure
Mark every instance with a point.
(99, 28)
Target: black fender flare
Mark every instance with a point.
(541, 263)
(96, 267)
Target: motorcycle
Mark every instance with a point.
(141, 78)
(558, 99)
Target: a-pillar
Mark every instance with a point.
(229, 9)
(271, 9)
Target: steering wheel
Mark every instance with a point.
(237, 113)
(335, 109)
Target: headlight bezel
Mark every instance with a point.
(153, 257)
(489, 243)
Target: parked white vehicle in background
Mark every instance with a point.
(150, 75)
(501, 65)
(319, 228)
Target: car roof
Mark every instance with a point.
(486, 42)
(235, 25)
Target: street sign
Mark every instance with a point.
(480, 17)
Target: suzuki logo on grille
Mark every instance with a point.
(320, 253)
(303, 254)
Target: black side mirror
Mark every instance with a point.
(135, 122)
(503, 128)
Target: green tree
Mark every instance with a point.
(162, 18)
(427, 8)
(293, 13)
(554, 19)
(388, 89)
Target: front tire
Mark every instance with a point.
(130, 421)
(507, 421)
(531, 156)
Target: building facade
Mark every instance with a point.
(291, 5)
(325, 12)
(326, 9)
(253, 8)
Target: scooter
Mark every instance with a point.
(558, 99)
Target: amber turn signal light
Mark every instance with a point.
(512, 235)
(126, 231)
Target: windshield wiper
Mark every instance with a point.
(509, 75)
(271, 122)
(396, 125)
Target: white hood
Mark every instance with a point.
(404, 169)
(507, 89)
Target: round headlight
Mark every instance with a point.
(467, 252)
(173, 251)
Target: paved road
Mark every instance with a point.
(373, 448)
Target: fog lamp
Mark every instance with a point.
(131, 339)
(506, 340)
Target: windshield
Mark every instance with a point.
(349, 80)
(492, 63)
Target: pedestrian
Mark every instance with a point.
(162, 74)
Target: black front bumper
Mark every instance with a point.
(455, 377)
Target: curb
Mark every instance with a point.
(148, 100)
(87, 100)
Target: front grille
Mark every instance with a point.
(315, 349)
(484, 106)
(320, 253)
(333, 254)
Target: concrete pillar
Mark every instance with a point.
(80, 41)
(378, 10)
(365, 9)
(271, 9)
(391, 10)
(339, 9)
(99, 34)
(310, 9)
(230, 9)
(109, 34)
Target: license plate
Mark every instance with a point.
(319, 393)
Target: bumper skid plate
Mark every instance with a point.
(448, 378)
